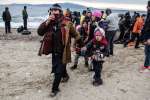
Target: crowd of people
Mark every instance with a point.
(93, 34)
(7, 19)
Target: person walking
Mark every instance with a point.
(57, 31)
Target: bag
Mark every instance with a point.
(26, 32)
(20, 29)
(46, 44)
(98, 56)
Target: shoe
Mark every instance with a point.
(137, 47)
(144, 69)
(98, 83)
(148, 67)
(65, 79)
(125, 45)
(91, 70)
(54, 93)
(86, 64)
(73, 67)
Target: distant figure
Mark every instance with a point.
(83, 16)
(146, 37)
(7, 19)
(136, 32)
(112, 29)
(25, 17)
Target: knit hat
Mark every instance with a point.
(97, 13)
(67, 13)
(98, 33)
(56, 6)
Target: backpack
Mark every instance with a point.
(26, 32)
(20, 29)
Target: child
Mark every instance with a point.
(98, 47)
(83, 30)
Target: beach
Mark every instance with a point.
(26, 76)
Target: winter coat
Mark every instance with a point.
(67, 31)
(138, 25)
(6, 16)
(146, 28)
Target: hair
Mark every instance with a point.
(25, 7)
(6, 8)
(108, 11)
(84, 12)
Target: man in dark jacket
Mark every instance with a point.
(25, 17)
(146, 37)
(58, 31)
(7, 19)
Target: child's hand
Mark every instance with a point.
(84, 49)
(86, 40)
(148, 41)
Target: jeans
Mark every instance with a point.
(7, 27)
(59, 70)
(77, 56)
(134, 36)
(97, 65)
(147, 56)
(25, 24)
(110, 37)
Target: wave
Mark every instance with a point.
(16, 25)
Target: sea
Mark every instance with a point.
(39, 12)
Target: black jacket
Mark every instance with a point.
(146, 28)
(6, 16)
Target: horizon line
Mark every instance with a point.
(102, 5)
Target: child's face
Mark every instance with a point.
(84, 24)
(99, 38)
(93, 18)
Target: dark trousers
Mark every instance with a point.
(110, 37)
(77, 56)
(7, 27)
(147, 56)
(25, 24)
(97, 65)
(59, 70)
(133, 37)
(122, 33)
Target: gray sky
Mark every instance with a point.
(116, 4)
(47, 1)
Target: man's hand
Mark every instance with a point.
(84, 49)
(51, 17)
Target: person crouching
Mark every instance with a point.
(83, 30)
(99, 50)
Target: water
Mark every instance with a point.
(37, 13)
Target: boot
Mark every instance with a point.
(73, 67)
(98, 82)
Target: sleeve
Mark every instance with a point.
(107, 19)
(89, 44)
(42, 29)
(3, 16)
(73, 32)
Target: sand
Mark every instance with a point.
(26, 76)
